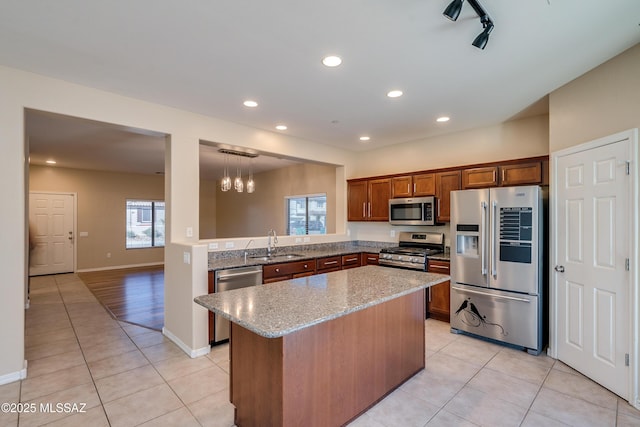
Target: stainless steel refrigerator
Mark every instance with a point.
(497, 249)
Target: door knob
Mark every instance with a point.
(559, 268)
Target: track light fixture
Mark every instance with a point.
(453, 11)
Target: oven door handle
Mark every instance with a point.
(469, 291)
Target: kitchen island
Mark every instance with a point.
(320, 350)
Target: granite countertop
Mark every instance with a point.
(239, 261)
(277, 309)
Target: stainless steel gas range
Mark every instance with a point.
(412, 250)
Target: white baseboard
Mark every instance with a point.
(119, 267)
(14, 376)
(191, 352)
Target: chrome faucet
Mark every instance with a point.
(271, 233)
(245, 250)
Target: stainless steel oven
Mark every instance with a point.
(412, 250)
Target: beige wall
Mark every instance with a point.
(602, 102)
(249, 215)
(208, 209)
(101, 198)
(515, 139)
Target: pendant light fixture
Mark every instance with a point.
(251, 185)
(225, 183)
(238, 183)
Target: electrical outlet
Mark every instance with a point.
(298, 239)
(213, 246)
(307, 239)
(229, 245)
(392, 233)
(84, 234)
(187, 258)
(189, 231)
(108, 254)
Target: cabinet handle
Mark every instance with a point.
(441, 267)
(351, 259)
(277, 270)
(408, 188)
(369, 209)
(330, 262)
(371, 259)
(494, 175)
(429, 294)
(364, 214)
(503, 175)
(306, 266)
(438, 207)
(414, 187)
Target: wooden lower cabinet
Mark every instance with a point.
(287, 270)
(329, 373)
(351, 260)
(369, 258)
(439, 296)
(329, 264)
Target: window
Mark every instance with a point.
(307, 214)
(145, 224)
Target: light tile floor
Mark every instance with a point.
(126, 375)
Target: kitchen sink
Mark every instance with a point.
(275, 257)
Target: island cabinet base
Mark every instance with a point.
(329, 373)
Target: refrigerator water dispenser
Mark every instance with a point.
(468, 240)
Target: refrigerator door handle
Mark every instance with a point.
(491, 295)
(494, 271)
(483, 222)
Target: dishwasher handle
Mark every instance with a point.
(244, 273)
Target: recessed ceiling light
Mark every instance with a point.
(365, 138)
(50, 162)
(442, 119)
(394, 93)
(250, 103)
(281, 127)
(331, 61)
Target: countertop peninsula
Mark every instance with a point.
(277, 309)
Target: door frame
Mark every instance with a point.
(634, 288)
(74, 222)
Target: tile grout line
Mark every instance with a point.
(73, 326)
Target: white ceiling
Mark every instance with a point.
(209, 56)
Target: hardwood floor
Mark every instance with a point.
(134, 295)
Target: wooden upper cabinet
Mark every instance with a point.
(413, 185)
(480, 177)
(521, 174)
(401, 186)
(424, 185)
(357, 201)
(368, 200)
(379, 195)
(446, 182)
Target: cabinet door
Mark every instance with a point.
(350, 261)
(370, 259)
(439, 296)
(446, 182)
(424, 185)
(523, 174)
(401, 186)
(379, 195)
(480, 177)
(357, 201)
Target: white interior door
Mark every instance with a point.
(593, 246)
(51, 219)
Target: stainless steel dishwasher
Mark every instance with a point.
(226, 280)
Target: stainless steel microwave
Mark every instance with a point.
(413, 211)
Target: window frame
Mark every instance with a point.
(153, 225)
(287, 213)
